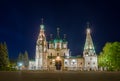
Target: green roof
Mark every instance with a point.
(57, 40)
(75, 57)
(32, 59)
(51, 41)
(64, 40)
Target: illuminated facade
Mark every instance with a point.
(89, 53)
(55, 54)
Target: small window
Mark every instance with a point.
(51, 54)
(50, 63)
(88, 63)
(73, 62)
(94, 63)
(81, 63)
(57, 54)
(64, 55)
(65, 62)
(90, 58)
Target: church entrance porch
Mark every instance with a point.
(58, 63)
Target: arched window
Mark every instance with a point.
(81, 63)
(64, 55)
(50, 45)
(51, 55)
(88, 63)
(65, 62)
(50, 63)
(57, 54)
(90, 58)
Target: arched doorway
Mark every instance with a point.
(58, 63)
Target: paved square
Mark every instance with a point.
(59, 76)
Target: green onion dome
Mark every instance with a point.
(57, 40)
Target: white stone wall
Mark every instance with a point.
(61, 52)
(74, 64)
(91, 63)
(32, 65)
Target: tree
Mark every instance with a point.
(26, 59)
(12, 65)
(104, 55)
(4, 59)
(115, 56)
(20, 58)
(23, 59)
(1, 55)
(110, 56)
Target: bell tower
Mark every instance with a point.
(89, 53)
(89, 47)
(41, 49)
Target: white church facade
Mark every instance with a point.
(55, 54)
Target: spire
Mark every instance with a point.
(42, 26)
(42, 33)
(64, 39)
(64, 36)
(58, 31)
(89, 47)
(88, 25)
(51, 36)
(42, 20)
(41, 48)
(88, 28)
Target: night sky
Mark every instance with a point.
(20, 20)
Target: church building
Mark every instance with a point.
(55, 55)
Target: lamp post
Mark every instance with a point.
(20, 64)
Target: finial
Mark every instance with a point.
(64, 36)
(58, 30)
(88, 25)
(42, 21)
(51, 36)
(41, 25)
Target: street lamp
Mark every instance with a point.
(20, 64)
(58, 58)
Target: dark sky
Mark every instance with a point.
(20, 20)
